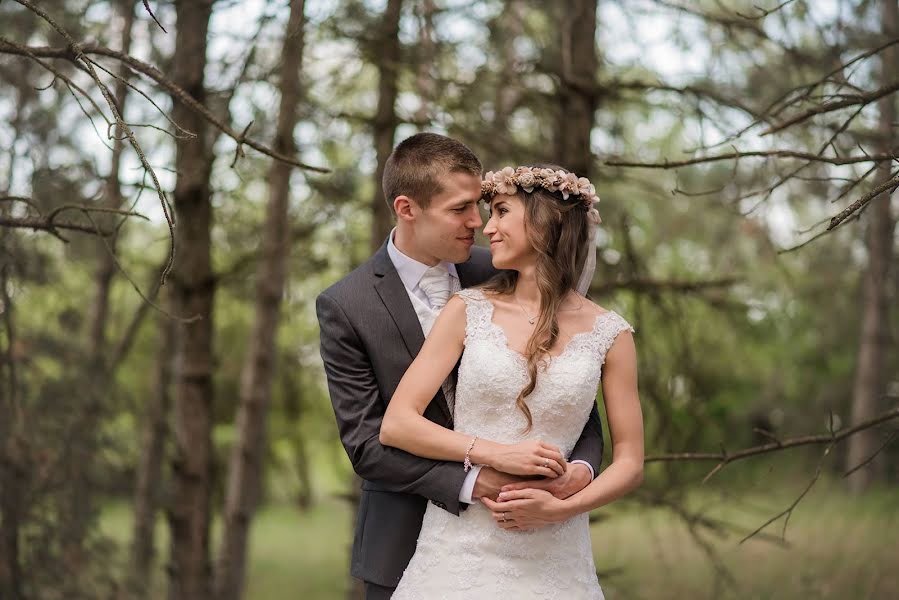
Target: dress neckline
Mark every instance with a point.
(504, 339)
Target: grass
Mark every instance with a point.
(835, 547)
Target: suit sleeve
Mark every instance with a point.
(359, 409)
(589, 446)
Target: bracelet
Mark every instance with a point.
(467, 464)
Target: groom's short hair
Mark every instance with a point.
(415, 166)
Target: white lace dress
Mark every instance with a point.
(469, 556)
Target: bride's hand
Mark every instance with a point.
(526, 510)
(531, 457)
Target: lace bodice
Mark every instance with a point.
(491, 374)
(468, 556)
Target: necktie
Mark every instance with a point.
(436, 285)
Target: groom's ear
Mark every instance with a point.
(405, 208)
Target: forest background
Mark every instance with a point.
(179, 179)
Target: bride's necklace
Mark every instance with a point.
(529, 317)
(533, 319)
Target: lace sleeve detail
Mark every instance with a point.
(608, 327)
(478, 313)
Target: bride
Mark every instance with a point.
(533, 351)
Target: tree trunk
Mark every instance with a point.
(13, 484)
(99, 311)
(294, 405)
(384, 125)
(871, 374)
(577, 88)
(80, 505)
(147, 493)
(245, 468)
(427, 54)
(193, 288)
(506, 29)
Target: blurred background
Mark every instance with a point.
(179, 179)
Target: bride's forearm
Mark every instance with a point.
(619, 478)
(417, 435)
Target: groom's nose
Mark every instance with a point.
(474, 218)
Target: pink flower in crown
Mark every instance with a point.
(584, 187)
(548, 179)
(527, 180)
(505, 181)
(568, 186)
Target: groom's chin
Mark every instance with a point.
(460, 256)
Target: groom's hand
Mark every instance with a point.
(576, 477)
(490, 482)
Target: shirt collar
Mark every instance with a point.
(409, 269)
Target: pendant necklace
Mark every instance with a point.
(529, 317)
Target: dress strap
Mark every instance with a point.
(478, 313)
(606, 329)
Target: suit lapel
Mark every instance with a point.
(463, 271)
(476, 270)
(393, 294)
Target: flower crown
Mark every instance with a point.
(568, 184)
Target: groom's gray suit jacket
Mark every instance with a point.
(369, 336)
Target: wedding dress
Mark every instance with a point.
(468, 556)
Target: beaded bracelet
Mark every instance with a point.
(467, 464)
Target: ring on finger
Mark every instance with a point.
(504, 517)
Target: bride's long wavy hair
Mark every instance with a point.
(557, 229)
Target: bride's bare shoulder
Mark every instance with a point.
(591, 307)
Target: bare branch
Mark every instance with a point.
(852, 100)
(788, 511)
(157, 76)
(764, 11)
(874, 454)
(50, 226)
(673, 164)
(814, 238)
(724, 457)
(888, 186)
(123, 346)
(147, 6)
(637, 284)
(76, 55)
(23, 200)
(708, 94)
(147, 299)
(124, 81)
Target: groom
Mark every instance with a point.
(372, 324)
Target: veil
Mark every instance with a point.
(586, 277)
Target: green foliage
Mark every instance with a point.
(773, 345)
